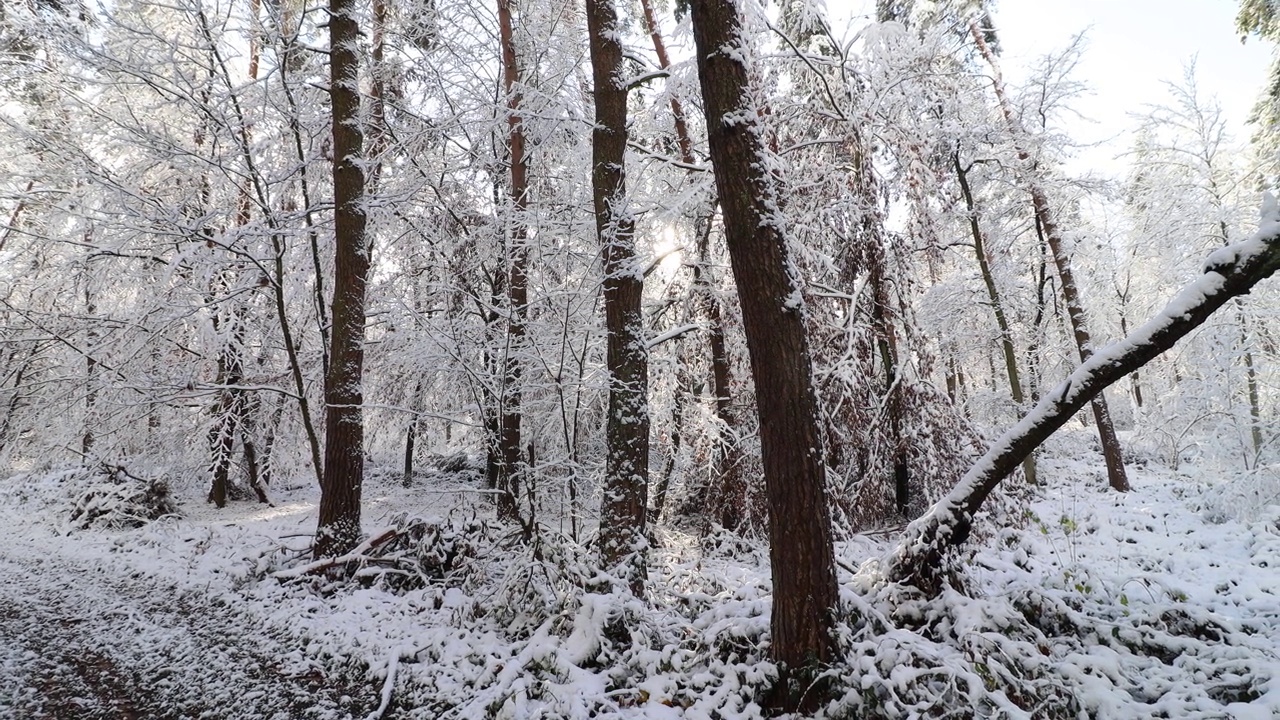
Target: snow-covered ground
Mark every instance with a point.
(1159, 603)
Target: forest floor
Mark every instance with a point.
(82, 637)
(1164, 602)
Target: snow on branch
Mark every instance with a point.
(1228, 273)
(672, 334)
(356, 555)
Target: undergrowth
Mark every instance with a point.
(535, 630)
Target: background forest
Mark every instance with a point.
(569, 321)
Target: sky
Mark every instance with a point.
(1132, 48)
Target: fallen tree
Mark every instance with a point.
(1229, 272)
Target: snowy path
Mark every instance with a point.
(77, 642)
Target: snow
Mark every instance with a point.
(1161, 600)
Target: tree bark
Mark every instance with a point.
(1251, 384)
(626, 483)
(727, 484)
(801, 553)
(87, 438)
(228, 411)
(509, 465)
(339, 528)
(918, 561)
(1111, 452)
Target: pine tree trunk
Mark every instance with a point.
(626, 483)
(339, 528)
(508, 469)
(801, 553)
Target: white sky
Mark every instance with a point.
(1132, 47)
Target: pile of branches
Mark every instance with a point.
(116, 499)
(412, 554)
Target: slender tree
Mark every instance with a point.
(508, 447)
(921, 557)
(1050, 232)
(626, 483)
(724, 476)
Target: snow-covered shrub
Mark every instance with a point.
(1245, 495)
(423, 552)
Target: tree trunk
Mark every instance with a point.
(919, 559)
(248, 430)
(1051, 234)
(997, 307)
(227, 411)
(801, 553)
(626, 483)
(727, 485)
(87, 439)
(673, 453)
(509, 461)
(339, 528)
(1111, 452)
(1251, 385)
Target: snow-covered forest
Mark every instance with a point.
(624, 359)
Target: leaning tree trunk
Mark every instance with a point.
(1230, 272)
(626, 482)
(1052, 235)
(997, 306)
(339, 530)
(800, 549)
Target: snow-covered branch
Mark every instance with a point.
(1229, 272)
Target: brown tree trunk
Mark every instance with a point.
(683, 140)
(801, 553)
(673, 453)
(250, 420)
(1052, 235)
(626, 482)
(339, 528)
(1111, 452)
(87, 439)
(509, 461)
(227, 411)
